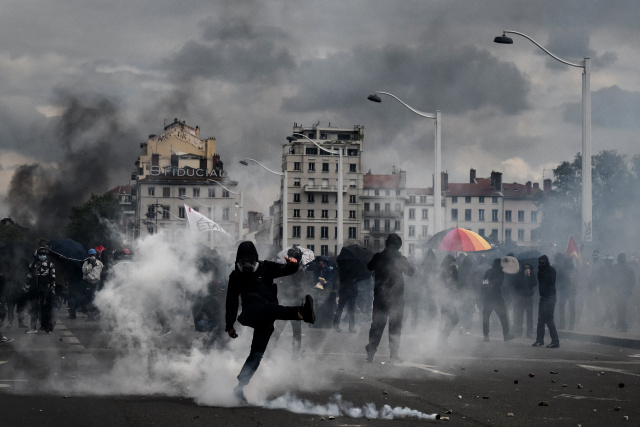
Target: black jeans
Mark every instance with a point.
(545, 317)
(498, 305)
(350, 302)
(394, 312)
(523, 306)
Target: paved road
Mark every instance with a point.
(582, 383)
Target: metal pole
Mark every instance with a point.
(340, 204)
(241, 227)
(437, 183)
(587, 231)
(285, 213)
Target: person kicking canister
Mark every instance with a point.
(252, 281)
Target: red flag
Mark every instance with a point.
(572, 250)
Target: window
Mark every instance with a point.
(324, 250)
(310, 213)
(150, 228)
(352, 214)
(324, 232)
(494, 200)
(494, 215)
(351, 152)
(480, 214)
(376, 207)
(311, 232)
(387, 207)
(376, 192)
(412, 199)
(324, 213)
(296, 166)
(296, 213)
(352, 233)
(367, 206)
(520, 235)
(454, 214)
(412, 248)
(325, 167)
(398, 207)
(412, 213)
(296, 198)
(398, 192)
(312, 182)
(212, 192)
(196, 192)
(520, 216)
(423, 199)
(325, 198)
(151, 191)
(396, 225)
(312, 248)
(352, 183)
(467, 214)
(481, 199)
(311, 150)
(225, 214)
(412, 231)
(376, 245)
(454, 199)
(225, 193)
(507, 234)
(311, 198)
(387, 225)
(481, 231)
(376, 224)
(165, 212)
(181, 213)
(296, 182)
(166, 191)
(425, 213)
(312, 167)
(367, 224)
(182, 192)
(425, 230)
(507, 216)
(352, 198)
(467, 199)
(296, 231)
(387, 192)
(325, 183)
(534, 216)
(494, 234)
(352, 167)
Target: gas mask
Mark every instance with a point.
(247, 265)
(42, 257)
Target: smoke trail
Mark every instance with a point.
(340, 407)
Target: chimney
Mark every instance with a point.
(203, 163)
(472, 176)
(198, 132)
(528, 185)
(155, 159)
(547, 184)
(496, 180)
(444, 181)
(402, 182)
(536, 186)
(174, 161)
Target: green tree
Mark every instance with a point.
(97, 222)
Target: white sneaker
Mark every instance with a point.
(5, 340)
(31, 331)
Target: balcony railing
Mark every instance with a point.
(323, 188)
(382, 214)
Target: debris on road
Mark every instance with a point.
(444, 418)
(553, 373)
(580, 386)
(531, 375)
(509, 414)
(621, 385)
(617, 408)
(515, 381)
(553, 381)
(449, 411)
(332, 417)
(626, 418)
(543, 403)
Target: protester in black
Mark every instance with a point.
(547, 289)
(388, 267)
(491, 290)
(524, 285)
(40, 290)
(252, 282)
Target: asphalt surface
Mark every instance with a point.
(592, 379)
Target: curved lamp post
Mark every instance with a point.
(587, 206)
(285, 236)
(340, 189)
(240, 206)
(437, 178)
(210, 209)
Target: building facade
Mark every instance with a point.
(177, 168)
(311, 206)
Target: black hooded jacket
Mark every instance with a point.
(492, 281)
(255, 289)
(546, 279)
(388, 267)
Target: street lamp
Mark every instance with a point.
(284, 197)
(240, 206)
(340, 186)
(587, 228)
(210, 209)
(437, 179)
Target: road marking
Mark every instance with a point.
(2, 361)
(634, 355)
(425, 367)
(576, 397)
(4, 385)
(602, 369)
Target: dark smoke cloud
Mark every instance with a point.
(96, 147)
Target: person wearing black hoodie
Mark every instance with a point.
(547, 288)
(491, 290)
(252, 282)
(388, 296)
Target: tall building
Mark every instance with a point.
(177, 168)
(312, 188)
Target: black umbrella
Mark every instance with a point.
(352, 263)
(68, 249)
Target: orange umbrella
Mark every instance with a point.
(461, 240)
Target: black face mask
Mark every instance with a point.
(247, 266)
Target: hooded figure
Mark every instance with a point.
(451, 298)
(493, 301)
(40, 288)
(252, 282)
(547, 288)
(388, 267)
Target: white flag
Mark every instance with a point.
(199, 222)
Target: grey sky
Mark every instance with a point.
(245, 71)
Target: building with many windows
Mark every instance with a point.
(312, 187)
(177, 168)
